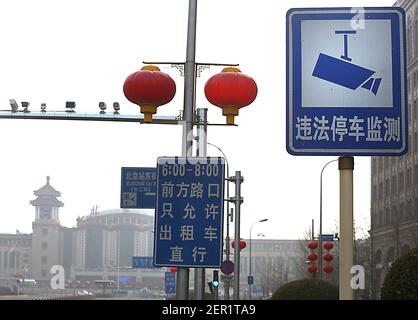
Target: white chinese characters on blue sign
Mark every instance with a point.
(189, 212)
(346, 81)
(170, 282)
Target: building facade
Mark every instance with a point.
(394, 180)
(101, 246)
(274, 263)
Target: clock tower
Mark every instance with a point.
(47, 235)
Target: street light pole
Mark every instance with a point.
(320, 218)
(201, 151)
(228, 214)
(182, 290)
(250, 268)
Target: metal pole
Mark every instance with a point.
(182, 290)
(228, 214)
(238, 179)
(118, 233)
(227, 240)
(346, 167)
(250, 268)
(201, 151)
(313, 230)
(320, 220)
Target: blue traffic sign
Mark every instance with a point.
(189, 212)
(327, 237)
(170, 282)
(142, 262)
(138, 188)
(346, 81)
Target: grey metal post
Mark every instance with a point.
(229, 214)
(250, 267)
(313, 230)
(320, 221)
(238, 179)
(201, 151)
(182, 287)
(228, 241)
(346, 167)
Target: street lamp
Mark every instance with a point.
(320, 219)
(250, 274)
(227, 239)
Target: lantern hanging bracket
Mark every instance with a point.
(199, 66)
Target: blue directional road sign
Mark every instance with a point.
(142, 262)
(170, 282)
(346, 81)
(138, 188)
(327, 237)
(189, 212)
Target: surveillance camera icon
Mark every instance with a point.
(343, 72)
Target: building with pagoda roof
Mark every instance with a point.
(48, 234)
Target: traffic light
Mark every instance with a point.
(215, 278)
(210, 284)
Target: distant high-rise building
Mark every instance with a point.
(394, 180)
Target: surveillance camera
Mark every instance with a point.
(70, 105)
(14, 105)
(116, 106)
(102, 106)
(25, 106)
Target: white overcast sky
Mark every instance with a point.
(56, 51)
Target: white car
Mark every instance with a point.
(84, 293)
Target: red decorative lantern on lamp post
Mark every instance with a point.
(230, 90)
(328, 245)
(149, 88)
(312, 245)
(312, 268)
(242, 244)
(328, 257)
(328, 268)
(312, 256)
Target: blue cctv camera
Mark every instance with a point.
(343, 72)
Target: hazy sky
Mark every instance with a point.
(57, 51)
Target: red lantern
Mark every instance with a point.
(312, 245)
(242, 244)
(312, 256)
(230, 90)
(312, 268)
(328, 257)
(149, 88)
(328, 268)
(173, 269)
(328, 245)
